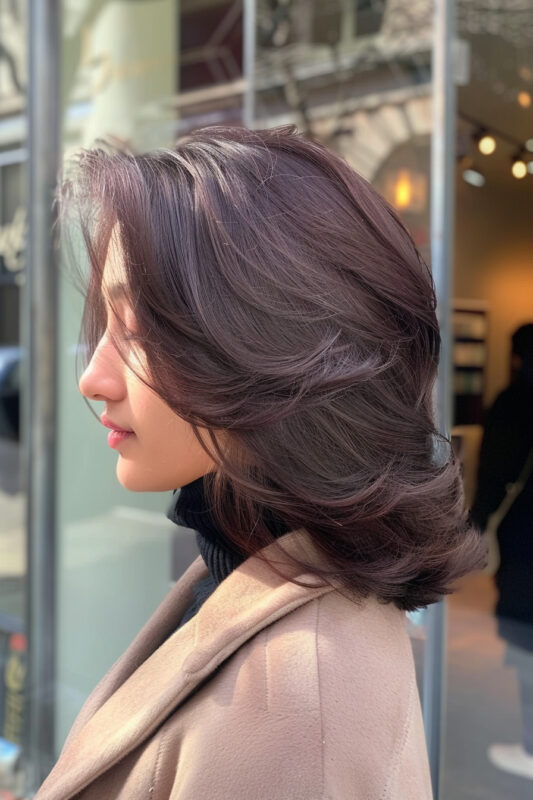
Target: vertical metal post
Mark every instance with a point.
(442, 240)
(40, 408)
(249, 40)
(434, 689)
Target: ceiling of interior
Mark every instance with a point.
(500, 38)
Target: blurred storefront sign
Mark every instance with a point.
(12, 247)
(13, 648)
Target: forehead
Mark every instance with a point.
(114, 276)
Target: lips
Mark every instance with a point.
(104, 419)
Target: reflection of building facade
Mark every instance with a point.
(356, 74)
(13, 155)
(12, 158)
(12, 241)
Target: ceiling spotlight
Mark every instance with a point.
(474, 177)
(524, 99)
(519, 166)
(530, 167)
(486, 144)
(529, 145)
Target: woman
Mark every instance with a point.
(262, 333)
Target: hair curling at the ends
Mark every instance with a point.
(284, 307)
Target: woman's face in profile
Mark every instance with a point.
(160, 452)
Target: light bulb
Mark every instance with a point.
(519, 168)
(487, 144)
(403, 190)
(524, 99)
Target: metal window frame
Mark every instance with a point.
(442, 239)
(249, 49)
(39, 336)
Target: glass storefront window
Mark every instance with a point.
(358, 75)
(12, 486)
(114, 547)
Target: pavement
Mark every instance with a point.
(482, 699)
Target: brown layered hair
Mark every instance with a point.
(283, 307)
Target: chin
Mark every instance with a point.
(136, 481)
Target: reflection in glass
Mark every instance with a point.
(12, 491)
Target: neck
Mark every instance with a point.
(190, 508)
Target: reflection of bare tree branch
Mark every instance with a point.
(296, 99)
(273, 22)
(511, 20)
(301, 13)
(286, 26)
(8, 57)
(214, 52)
(361, 38)
(405, 18)
(278, 26)
(340, 128)
(12, 43)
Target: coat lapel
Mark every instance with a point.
(161, 668)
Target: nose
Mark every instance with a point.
(103, 379)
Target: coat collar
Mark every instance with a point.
(163, 666)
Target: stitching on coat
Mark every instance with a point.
(403, 741)
(158, 758)
(267, 699)
(322, 740)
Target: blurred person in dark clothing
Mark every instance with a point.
(505, 447)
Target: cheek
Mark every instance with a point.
(167, 454)
(159, 422)
(146, 407)
(162, 431)
(178, 444)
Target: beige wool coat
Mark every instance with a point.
(271, 691)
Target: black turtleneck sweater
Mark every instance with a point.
(189, 508)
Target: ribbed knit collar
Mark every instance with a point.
(189, 508)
